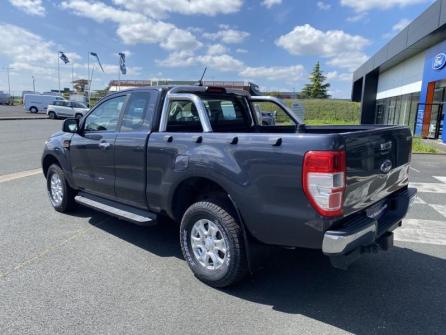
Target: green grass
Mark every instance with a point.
(330, 111)
(420, 146)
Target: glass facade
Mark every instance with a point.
(399, 110)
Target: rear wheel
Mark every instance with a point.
(60, 193)
(52, 115)
(212, 243)
(33, 110)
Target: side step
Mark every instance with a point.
(121, 211)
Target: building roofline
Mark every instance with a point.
(425, 31)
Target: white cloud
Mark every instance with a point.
(400, 25)
(31, 7)
(335, 75)
(348, 60)
(222, 62)
(159, 9)
(19, 46)
(270, 3)
(307, 40)
(323, 5)
(287, 73)
(340, 48)
(241, 51)
(357, 17)
(227, 35)
(366, 5)
(397, 27)
(134, 27)
(216, 49)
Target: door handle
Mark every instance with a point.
(104, 145)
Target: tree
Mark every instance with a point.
(317, 88)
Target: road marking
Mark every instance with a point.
(429, 187)
(51, 248)
(419, 201)
(412, 168)
(422, 231)
(18, 175)
(441, 179)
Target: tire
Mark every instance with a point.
(229, 266)
(61, 195)
(33, 110)
(78, 116)
(52, 115)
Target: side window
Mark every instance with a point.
(183, 116)
(270, 114)
(105, 117)
(56, 103)
(135, 114)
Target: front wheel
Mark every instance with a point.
(212, 243)
(78, 116)
(52, 115)
(60, 193)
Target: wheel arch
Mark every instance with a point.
(193, 189)
(47, 161)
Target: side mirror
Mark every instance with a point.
(71, 126)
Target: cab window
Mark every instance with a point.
(105, 117)
(183, 116)
(271, 114)
(135, 115)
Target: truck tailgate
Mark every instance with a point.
(377, 165)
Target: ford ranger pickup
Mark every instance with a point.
(207, 158)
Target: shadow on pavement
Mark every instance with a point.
(396, 292)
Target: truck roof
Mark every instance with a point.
(187, 89)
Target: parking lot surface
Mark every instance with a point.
(17, 112)
(87, 273)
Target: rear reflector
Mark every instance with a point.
(323, 181)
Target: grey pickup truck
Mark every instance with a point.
(203, 157)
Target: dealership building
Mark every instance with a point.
(404, 83)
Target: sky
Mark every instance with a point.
(274, 43)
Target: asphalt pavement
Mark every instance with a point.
(87, 273)
(18, 113)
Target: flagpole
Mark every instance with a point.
(119, 73)
(89, 86)
(72, 76)
(88, 79)
(58, 68)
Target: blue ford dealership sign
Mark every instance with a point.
(439, 61)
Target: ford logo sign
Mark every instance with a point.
(439, 61)
(386, 166)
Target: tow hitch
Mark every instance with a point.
(384, 242)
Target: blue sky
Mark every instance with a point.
(273, 43)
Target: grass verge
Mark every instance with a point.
(421, 147)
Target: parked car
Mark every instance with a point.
(38, 102)
(61, 108)
(202, 157)
(5, 99)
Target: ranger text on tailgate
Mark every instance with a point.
(206, 158)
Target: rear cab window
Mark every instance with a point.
(226, 113)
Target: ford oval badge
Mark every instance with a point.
(386, 166)
(439, 61)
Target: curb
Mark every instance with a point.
(22, 118)
(429, 153)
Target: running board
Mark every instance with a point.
(121, 211)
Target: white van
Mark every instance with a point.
(38, 102)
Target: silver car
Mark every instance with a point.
(63, 109)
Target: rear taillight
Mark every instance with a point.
(324, 181)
